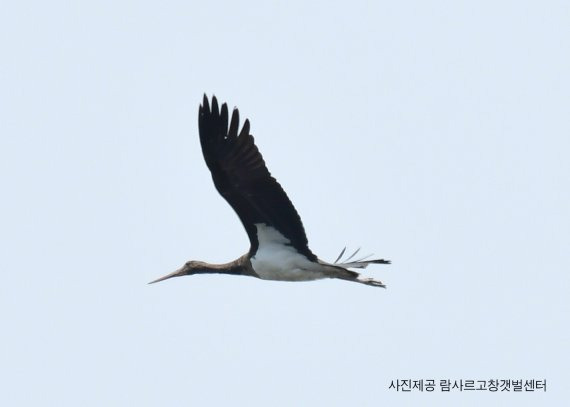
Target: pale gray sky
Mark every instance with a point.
(432, 133)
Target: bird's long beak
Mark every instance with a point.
(177, 273)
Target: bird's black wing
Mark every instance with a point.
(241, 177)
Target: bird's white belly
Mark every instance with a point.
(288, 269)
(276, 260)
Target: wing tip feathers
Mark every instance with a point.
(213, 110)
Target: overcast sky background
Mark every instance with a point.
(432, 133)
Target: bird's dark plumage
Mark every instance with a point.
(241, 177)
(279, 249)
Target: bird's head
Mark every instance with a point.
(189, 268)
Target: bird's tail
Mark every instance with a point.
(360, 263)
(340, 268)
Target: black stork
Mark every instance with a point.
(279, 248)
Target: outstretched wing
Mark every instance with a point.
(241, 177)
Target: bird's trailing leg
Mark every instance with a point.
(370, 281)
(339, 271)
(350, 275)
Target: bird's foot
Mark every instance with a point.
(371, 281)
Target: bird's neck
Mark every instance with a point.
(239, 266)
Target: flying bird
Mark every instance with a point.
(279, 248)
